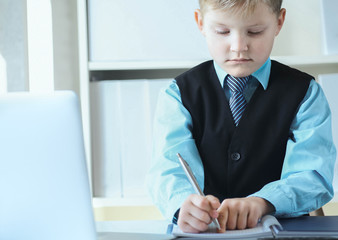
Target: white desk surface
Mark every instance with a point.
(147, 226)
(133, 236)
(130, 230)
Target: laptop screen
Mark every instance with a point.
(44, 183)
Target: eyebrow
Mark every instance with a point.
(227, 26)
(220, 24)
(257, 25)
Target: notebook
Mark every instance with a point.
(270, 227)
(263, 229)
(44, 187)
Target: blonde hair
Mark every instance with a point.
(243, 6)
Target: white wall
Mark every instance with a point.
(13, 43)
(122, 113)
(153, 30)
(66, 65)
(301, 33)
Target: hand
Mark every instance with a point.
(197, 212)
(241, 213)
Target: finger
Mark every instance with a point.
(186, 227)
(222, 218)
(201, 215)
(188, 222)
(201, 202)
(242, 220)
(253, 219)
(214, 205)
(214, 202)
(193, 207)
(232, 219)
(199, 225)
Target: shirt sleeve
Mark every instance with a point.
(167, 183)
(307, 174)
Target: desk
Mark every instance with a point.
(133, 230)
(132, 236)
(156, 230)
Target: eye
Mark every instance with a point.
(255, 33)
(222, 32)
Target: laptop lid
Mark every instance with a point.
(44, 183)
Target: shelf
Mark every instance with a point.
(307, 60)
(142, 65)
(148, 65)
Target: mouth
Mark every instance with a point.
(239, 60)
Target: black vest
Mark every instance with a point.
(239, 161)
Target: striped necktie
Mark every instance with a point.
(237, 101)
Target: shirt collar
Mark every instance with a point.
(262, 74)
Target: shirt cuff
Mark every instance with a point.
(281, 201)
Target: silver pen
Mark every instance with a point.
(194, 183)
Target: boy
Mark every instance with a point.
(256, 133)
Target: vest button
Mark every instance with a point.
(235, 156)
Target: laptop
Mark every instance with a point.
(44, 187)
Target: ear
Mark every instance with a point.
(199, 20)
(280, 20)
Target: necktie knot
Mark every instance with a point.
(237, 84)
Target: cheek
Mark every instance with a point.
(217, 47)
(263, 48)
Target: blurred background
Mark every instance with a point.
(117, 54)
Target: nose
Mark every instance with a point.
(239, 43)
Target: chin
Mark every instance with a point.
(238, 71)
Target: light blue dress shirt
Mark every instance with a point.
(307, 174)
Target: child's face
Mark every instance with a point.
(240, 44)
